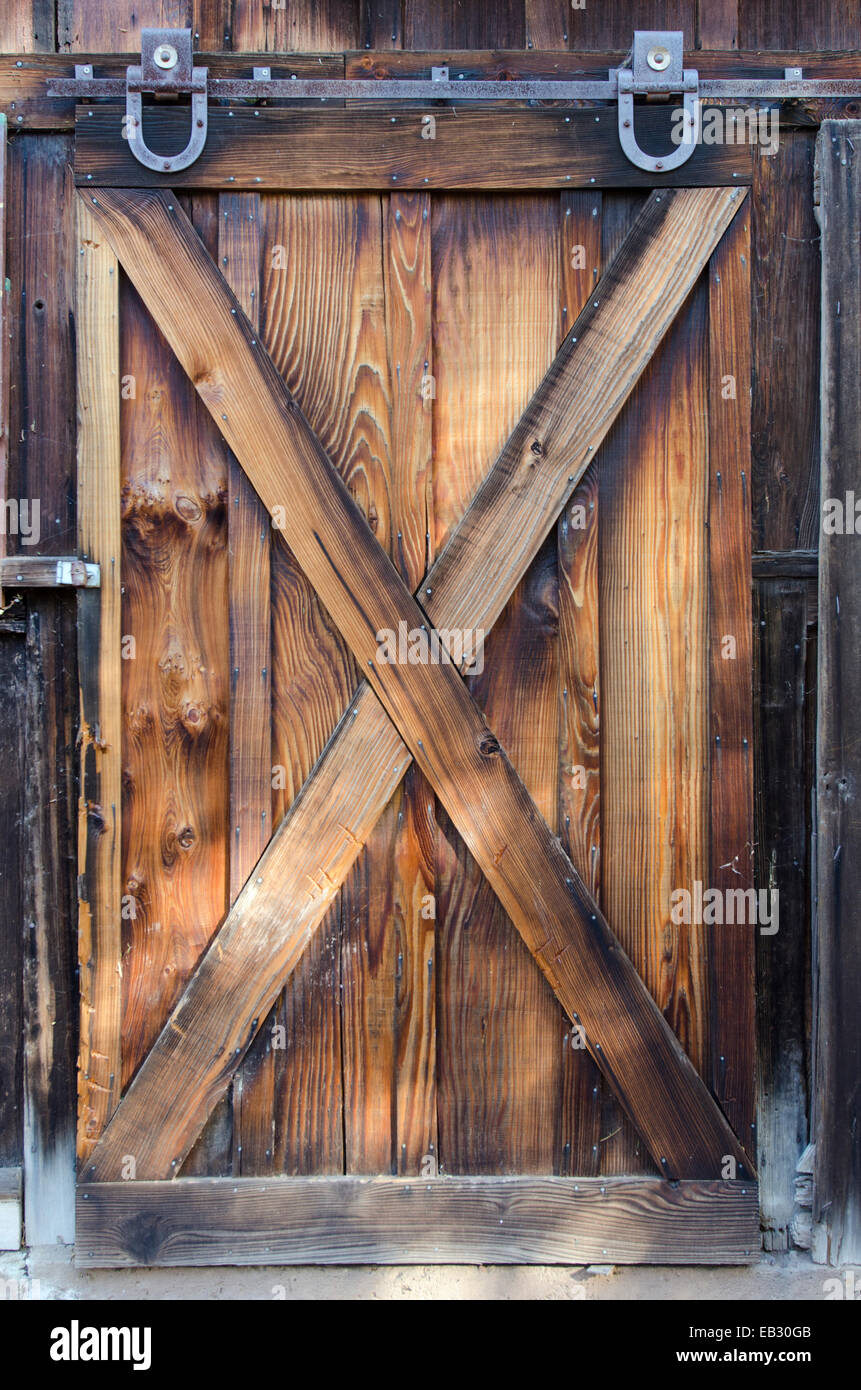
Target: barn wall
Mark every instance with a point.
(785, 506)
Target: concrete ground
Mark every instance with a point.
(49, 1273)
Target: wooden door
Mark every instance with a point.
(381, 961)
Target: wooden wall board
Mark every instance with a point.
(395, 1220)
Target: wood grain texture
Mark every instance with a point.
(654, 669)
(328, 149)
(398, 1221)
(579, 810)
(581, 959)
(837, 964)
(99, 618)
(496, 310)
(785, 403)
(731, 854)
(176, 685)
(380, 24)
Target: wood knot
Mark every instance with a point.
(186, 837)
(535, 447)
(488, 745)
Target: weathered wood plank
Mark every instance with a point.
(653, 589)
(399, 1221)
(323, 27)
(383, 149)
(579, 811)
(448, 23)
(175, 681)
(100, 656)
(5, 344)
(783, 838)
(28, 26)
(785, 329)
(12, 853)
(447, 735)
(717, 24)
(822, 24)
(785, 564)
(48, 572)
(49, 985)
(496, 312)
(98, 25)
(731, 853)
(837, 965)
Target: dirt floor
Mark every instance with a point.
(49, 1273)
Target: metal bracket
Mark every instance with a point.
(658, 68)
(166, 68)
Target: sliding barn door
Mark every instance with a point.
(350, 916)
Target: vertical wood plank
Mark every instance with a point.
(732, 951)
(98, 26)
(785, 405)
(653, 591)
(27, 26)
(326, 27)
(783, 852)
(808, 25)
(496, 315)
(717, 24)
(546, 23)
(12, 854)
(5, 343)
(837, 963)
(176, 680)
(324, 324)
(610, 25)
(380, 24)
(579, 817)
(451, 24)
(99, 617)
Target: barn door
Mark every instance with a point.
(415, 707)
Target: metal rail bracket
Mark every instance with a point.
(658, 69)
(166, 68)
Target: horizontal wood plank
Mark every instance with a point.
(192, 1059)
(469, 1220)
(388, 148)
(48, 572)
